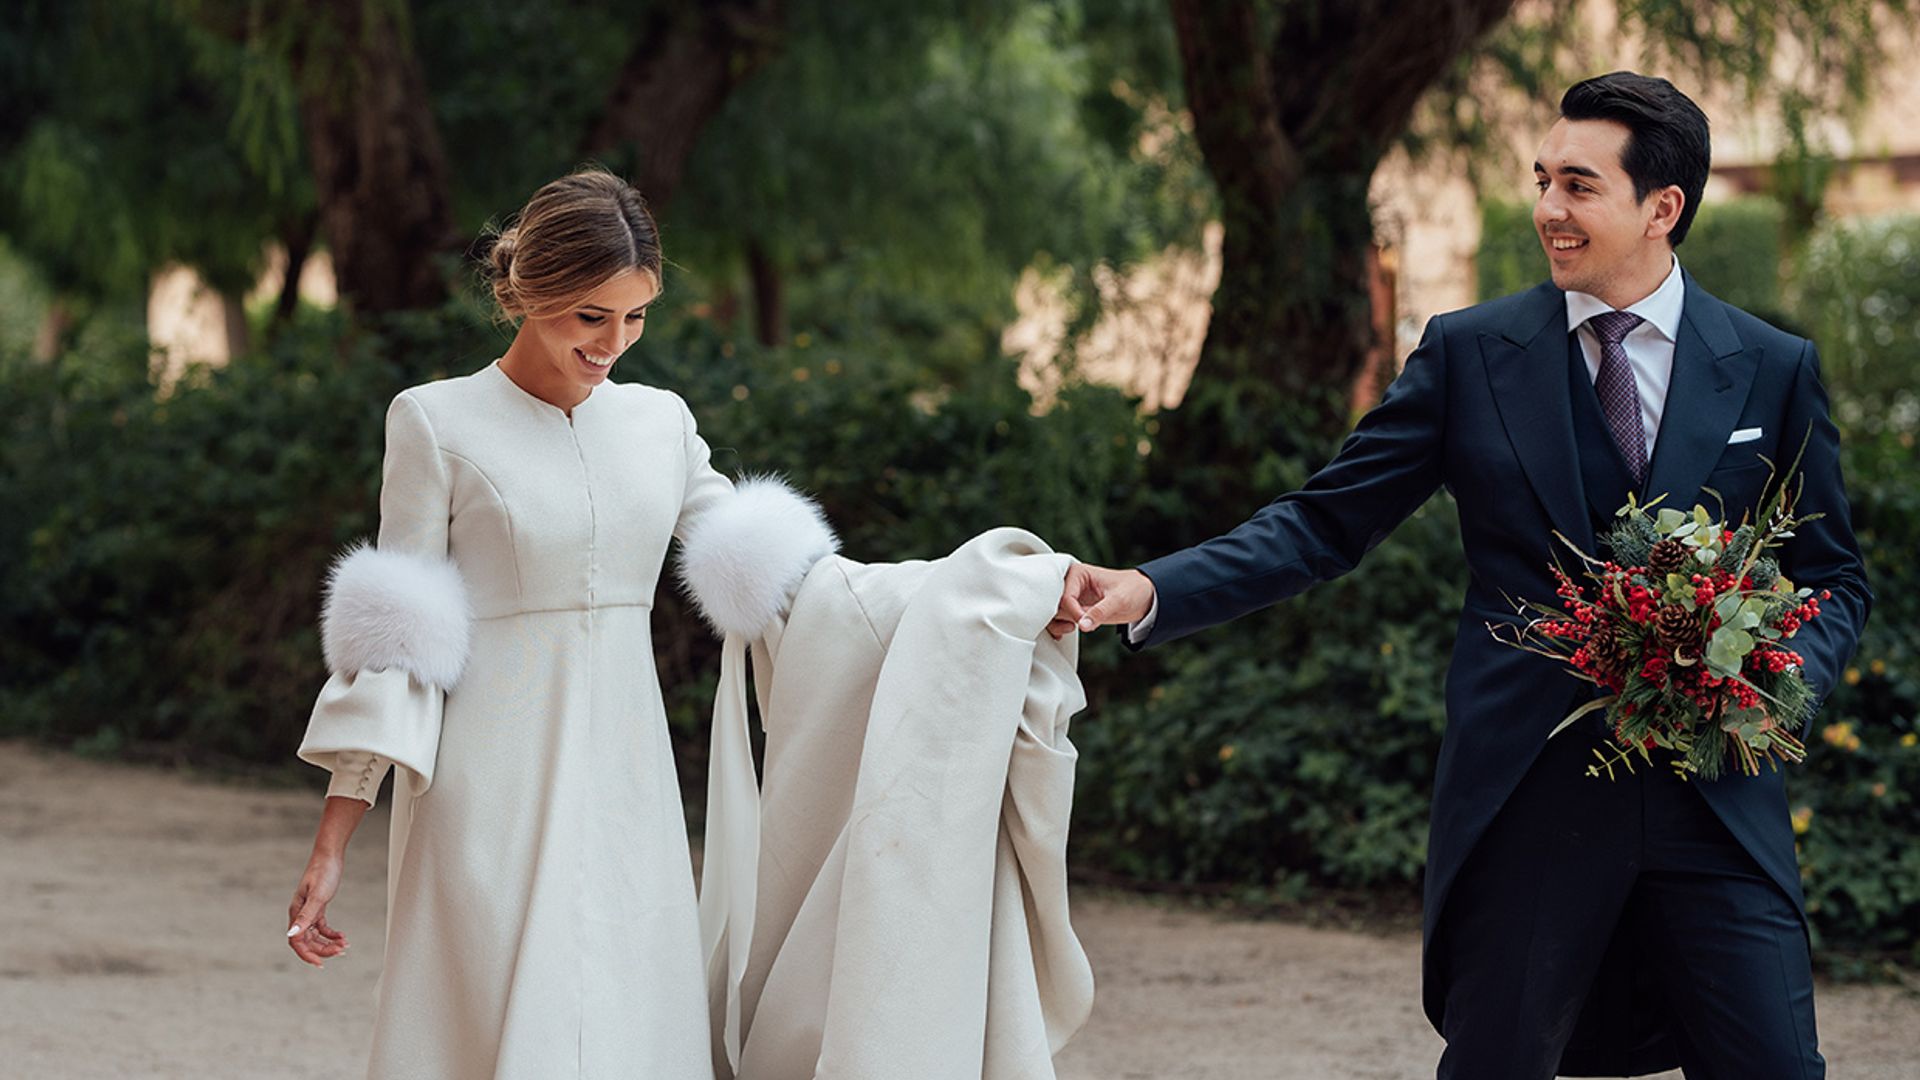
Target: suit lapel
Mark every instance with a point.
(1527, 372)
(1711, 379)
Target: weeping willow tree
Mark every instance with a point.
(118, 156)
(899, 173)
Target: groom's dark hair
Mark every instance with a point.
(1667, 142)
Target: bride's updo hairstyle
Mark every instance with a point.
(574, 234)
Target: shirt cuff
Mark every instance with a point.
(1140, 631)
(357, 775)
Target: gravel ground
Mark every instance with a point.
(141, 914)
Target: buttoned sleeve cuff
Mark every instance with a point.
(357, 775)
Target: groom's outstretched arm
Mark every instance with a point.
(1391, 464)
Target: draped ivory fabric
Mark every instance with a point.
(893, 902)
(541, 919)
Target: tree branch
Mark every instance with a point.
(686, 61)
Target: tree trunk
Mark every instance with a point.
(1293, 108)
(297, 238)
(50, 337)
(1293, 105)
(686, 60)
(380, 174)
(769, 295)
(233, 316)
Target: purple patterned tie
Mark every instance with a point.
(1619, 398)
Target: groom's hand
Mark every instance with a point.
(1095, 596)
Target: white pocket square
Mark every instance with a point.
(1745, 434)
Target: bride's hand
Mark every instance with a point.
(307, 931)
(1095, 596)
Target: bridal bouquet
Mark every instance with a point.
(1686, 628)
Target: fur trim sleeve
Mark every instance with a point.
(394, 609)
(746, 555)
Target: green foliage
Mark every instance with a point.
(1294, 747)
(162, 553)
(1509, 258)
(1857, 296)
(905, 174)
(1855, 800)
(23, 300)
(100, 187)
(1733, 250)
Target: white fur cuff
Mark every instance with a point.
(745, 557)
(390, 609)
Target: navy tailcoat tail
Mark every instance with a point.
(1484, 408)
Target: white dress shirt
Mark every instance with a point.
(1649, 349)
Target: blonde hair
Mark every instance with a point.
(574, 234)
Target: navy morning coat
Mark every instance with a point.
(1483, 407)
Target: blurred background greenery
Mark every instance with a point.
(852, 195)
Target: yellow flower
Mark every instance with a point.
(1226, 752)
(1386, 648)
(833, 367)
(1852, 677)
(740, 392)
(1878, 667)
(1880, 791)
(1802, 820)
(802, 339)
(1909, 739)
(801, 374)
(1837, 734)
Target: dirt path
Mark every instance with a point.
(141, 913)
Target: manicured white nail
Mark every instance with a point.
(294, 930)
(1086, 623)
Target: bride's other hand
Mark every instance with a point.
(1095, 596)
(307, 931)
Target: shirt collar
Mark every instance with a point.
(1661, 307)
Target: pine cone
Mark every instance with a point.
(1609, 650)
(1667, 557)
(1677, 627)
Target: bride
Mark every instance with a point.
(898, 907)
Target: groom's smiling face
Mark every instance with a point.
(1599, 237)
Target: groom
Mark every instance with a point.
(1574, 925)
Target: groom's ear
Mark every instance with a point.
(1666, 204)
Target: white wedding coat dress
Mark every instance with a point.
(541, 920)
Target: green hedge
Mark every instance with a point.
(1856, 293)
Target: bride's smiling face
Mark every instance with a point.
(582, 342)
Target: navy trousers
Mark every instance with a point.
(1569, 862)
